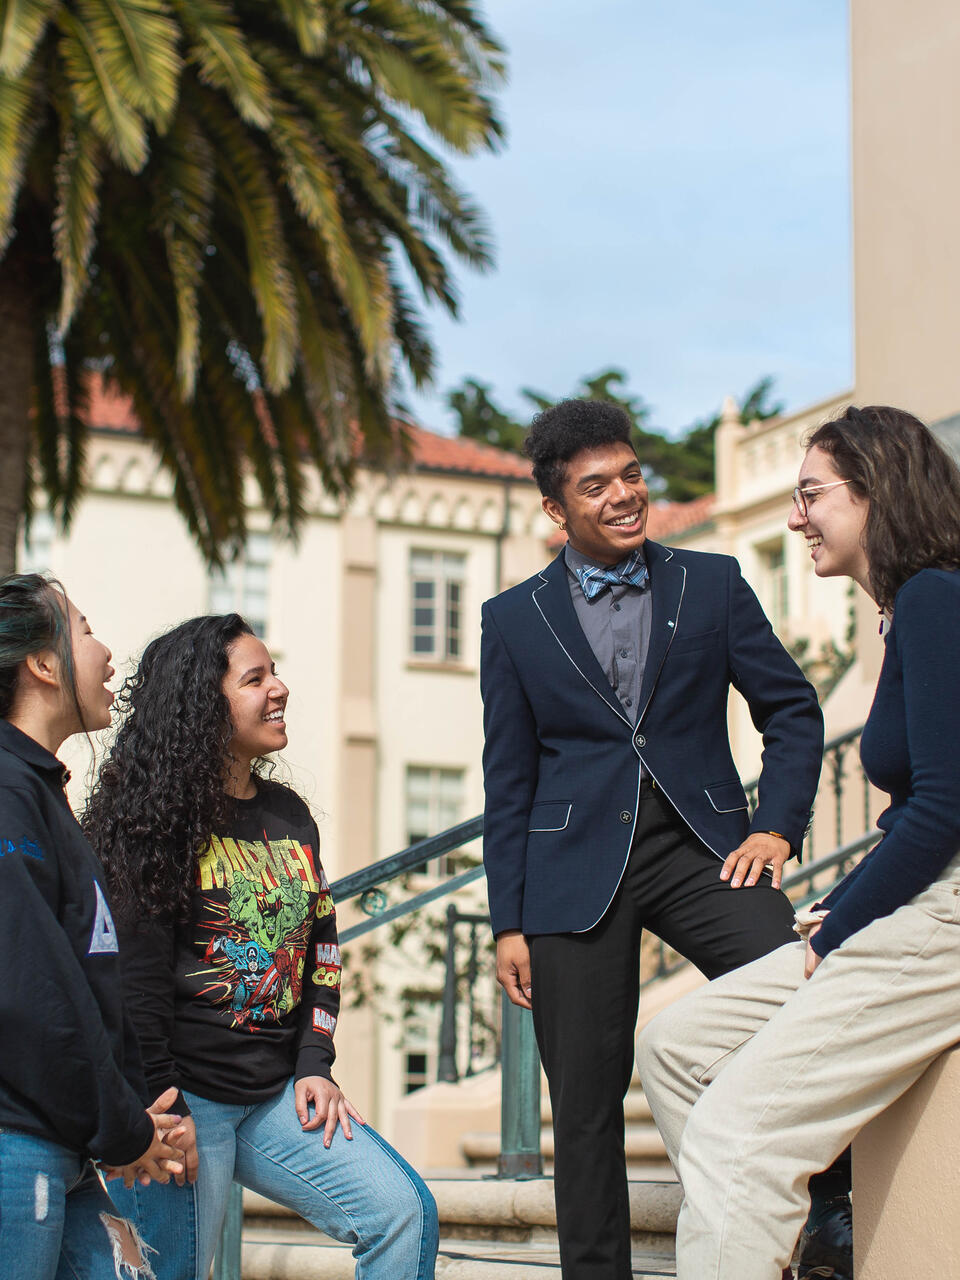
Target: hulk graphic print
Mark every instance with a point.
(259, 900)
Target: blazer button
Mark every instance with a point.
(626, 815)
(640, 740)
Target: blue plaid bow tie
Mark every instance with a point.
(631, 571)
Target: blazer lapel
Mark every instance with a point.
(552, 599)
(667, 580)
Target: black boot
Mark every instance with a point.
(826, 1242)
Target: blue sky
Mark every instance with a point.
(673, 199)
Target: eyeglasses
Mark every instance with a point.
(800, 495)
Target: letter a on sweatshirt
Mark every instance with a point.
(103, 940)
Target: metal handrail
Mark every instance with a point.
(359, 882)
(830, 861)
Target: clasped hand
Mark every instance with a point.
(165, 1155)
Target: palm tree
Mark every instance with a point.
(227, 207)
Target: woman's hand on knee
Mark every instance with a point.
(330, 1107)
(811, 959)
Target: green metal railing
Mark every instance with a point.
(520, 1155)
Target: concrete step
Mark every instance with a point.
(636, 1108)
(489, 1230)
(642, 1142)
(272, 1257)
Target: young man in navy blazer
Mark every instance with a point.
(613, 802)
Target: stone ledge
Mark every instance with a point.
(473, 1202)
(641, 1142)
(284, 1259)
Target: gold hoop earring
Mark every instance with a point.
(561, 525)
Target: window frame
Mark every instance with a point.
(437, 581)
(236, 583)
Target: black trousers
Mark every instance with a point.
(586, 992)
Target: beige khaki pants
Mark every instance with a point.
(795, 1068)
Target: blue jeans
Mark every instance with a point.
(55, 1216)
(361, 1192)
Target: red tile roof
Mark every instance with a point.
(112, 411)
(434, 452)
(667, 519)
(109, 410)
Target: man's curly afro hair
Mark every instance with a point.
(564, 429)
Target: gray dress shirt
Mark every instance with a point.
(617, 627)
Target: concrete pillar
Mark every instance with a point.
(357, 1039)
(906, 1181)
(727, 470)
(906, 186)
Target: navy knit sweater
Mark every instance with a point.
(911, 749)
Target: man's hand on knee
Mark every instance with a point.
(513, 966)
(761, 849)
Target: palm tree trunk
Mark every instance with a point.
(17, 318)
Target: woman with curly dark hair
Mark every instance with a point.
(231, 963)
(765, 1075)
(70, 1077)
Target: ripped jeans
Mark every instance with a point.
(56, 1220)
(361, 1192)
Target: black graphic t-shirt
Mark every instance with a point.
(245, 993)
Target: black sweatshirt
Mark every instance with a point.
(69, 1067)
(245, 993)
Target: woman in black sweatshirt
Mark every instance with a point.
(231, 962)
(70, 1079)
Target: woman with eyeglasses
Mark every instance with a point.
(764, 1076)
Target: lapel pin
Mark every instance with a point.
(669, 624)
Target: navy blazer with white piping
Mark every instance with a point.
(562, 759)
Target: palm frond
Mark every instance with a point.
(412, 336)
(78, 177)
(439, 204)
(22, 26)
(96, 96)
(467, 15)
(219, 49)
(74, 424)
(137, 41)
(20, 119)
(307, 19)
(287, 416)
(359, 277)
(385, 41)
(183, 212)
(49, 401)
(460, 30)
(252, 200)
(374, 187)
(327, 370)
(208, 485)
